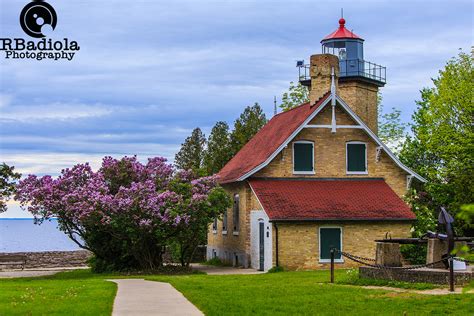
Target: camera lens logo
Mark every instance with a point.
(36, 17)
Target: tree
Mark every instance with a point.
(296, 95)
(246, 126)
(191, 154)
(441, 148)
(127, 212)
(391, 130)
(8, 178)
(218, 151)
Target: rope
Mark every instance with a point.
(379, 266)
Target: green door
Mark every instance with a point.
(329, 238)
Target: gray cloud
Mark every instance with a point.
(148, 72)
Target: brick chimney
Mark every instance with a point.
(321, 66)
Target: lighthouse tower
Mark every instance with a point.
(358, 80)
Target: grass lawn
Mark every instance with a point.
(69, 293)
(286, 293)
(308, 293)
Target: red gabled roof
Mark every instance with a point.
(330, 199)
(342, 32)
(267, 141)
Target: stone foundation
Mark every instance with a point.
(425, 275)
(52, 259)
(233, 257)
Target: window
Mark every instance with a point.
(303, 157)
(236, 212)
(224, 223)
(356, 158)
(330, 237)
(214, 226)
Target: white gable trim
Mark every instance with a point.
(285, 143)
(356, 118)
(258, 200)
(378, 141)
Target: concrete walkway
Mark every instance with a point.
(140, 297)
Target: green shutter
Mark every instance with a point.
(329, 238)
(356, 157)
(303, 156)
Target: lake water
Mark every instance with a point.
(18, 235)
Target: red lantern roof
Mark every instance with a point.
(342, 32)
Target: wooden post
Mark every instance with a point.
(332, 265)
(451, 274)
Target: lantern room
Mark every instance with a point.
(343, 43)
(349, 48)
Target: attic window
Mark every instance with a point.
(303, 157)
(356, 158)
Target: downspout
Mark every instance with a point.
(276, 244)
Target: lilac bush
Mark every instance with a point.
(127, 212)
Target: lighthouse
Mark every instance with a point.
(357, 80)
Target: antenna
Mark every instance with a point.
(274, 105)
(342, 13)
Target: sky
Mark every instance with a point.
(148, 72)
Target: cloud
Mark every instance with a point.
(5, 100)
(148, 72)
(15, 211)
(53, 111)
(42, 163)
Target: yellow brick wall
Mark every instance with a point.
(330, 156)
(299, 242)
(232, 242)
(362, 98)
(325, 116)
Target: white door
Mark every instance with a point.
(260, 241)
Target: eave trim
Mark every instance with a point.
(285, 143)
(378, 141)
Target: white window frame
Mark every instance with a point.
(347, 158)
(293, 149)
(341, 244)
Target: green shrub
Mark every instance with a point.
(415, 254)
(276, 269)
(215, 262)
